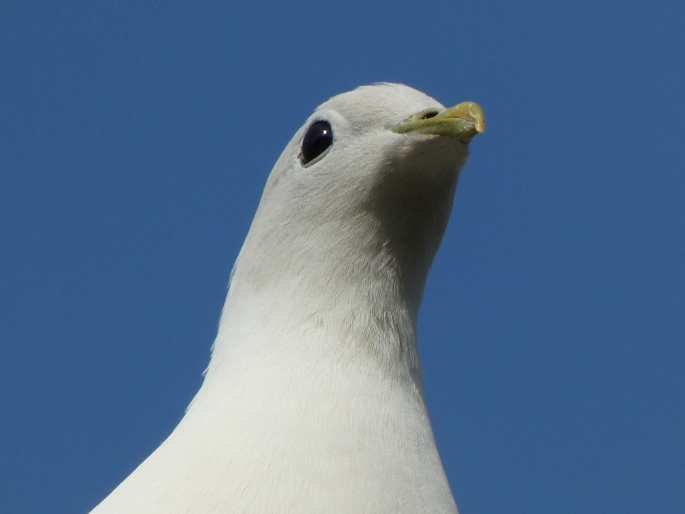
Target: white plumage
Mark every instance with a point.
(313, 401)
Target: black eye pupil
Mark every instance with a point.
(319, 136)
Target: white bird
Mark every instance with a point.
(313, 401)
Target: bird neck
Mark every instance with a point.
(358, 308)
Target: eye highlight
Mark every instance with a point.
(318, 138)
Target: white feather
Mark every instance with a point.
(313, 399)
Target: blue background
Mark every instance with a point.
(135, 139)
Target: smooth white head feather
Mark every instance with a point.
(313, 401)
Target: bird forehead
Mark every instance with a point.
(379, 104)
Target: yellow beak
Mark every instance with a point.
(463, 122)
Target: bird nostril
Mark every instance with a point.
(429, 114)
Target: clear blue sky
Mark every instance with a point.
(135, 139)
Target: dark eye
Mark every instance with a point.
(319, 136)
